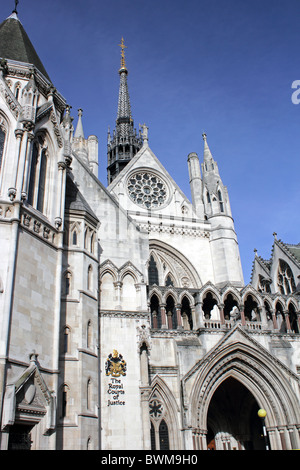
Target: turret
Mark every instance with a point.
(86, 149)
(196, 184)
(215, 194)
(223, 239)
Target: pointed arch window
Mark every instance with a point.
(155, 312)
(67, 283)
(90, 278)
(66, 340)
(285, 278)
(152, 435)
(2, 141)
(221, 201)
(89, 334)
(89, 394)
(186, 314)
(163, 436)
(64, 401)
(33, 171)
(17, 90)
(42, 182)
(171, 313)
(38, 176)
(3, 137)
(74, 238)
(153, 272)
(92, 242)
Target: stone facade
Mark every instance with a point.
(125, 320)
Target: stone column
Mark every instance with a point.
(22, 158)
(275, 325)
(221, 310)
(287, 321)
(163, 316)
(241, 309)
(118, 288)
(298, 321)
(145, 393)
(263, 317)
(154, 319)
(27, 166)
(60, 194)
(12, 191)
(169, 318)
(179, 318)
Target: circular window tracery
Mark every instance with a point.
(147, 190)
(156, 408)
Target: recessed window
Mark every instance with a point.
(38, 178)
(74, 238)
(2, 140)
(285, 278)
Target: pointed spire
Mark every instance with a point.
(125, 142)
(79, 129)
(124, 109)
(16, 45)
(207, 152)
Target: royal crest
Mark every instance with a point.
(115, 364)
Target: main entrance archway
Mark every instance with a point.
(232, 420)
(223, 392)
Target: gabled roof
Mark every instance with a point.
(75, 200)
(16, 45)
(295, 250)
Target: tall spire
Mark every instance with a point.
(125, 142)
(209, 164)
(79, 128)
(124, 118)
(216, 200)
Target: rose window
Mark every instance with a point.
(156, 408)
(147, 190)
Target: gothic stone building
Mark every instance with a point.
(125, 321)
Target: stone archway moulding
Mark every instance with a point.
(238, 356)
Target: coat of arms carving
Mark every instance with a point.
(115, 364)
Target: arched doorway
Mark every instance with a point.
(232, 420)
(238, 373)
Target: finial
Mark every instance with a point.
(144, 133)
(122, 46)
(15, 10)
(204, 136)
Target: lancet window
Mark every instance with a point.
(3, 134)
(221, 201)
(37, 182)
(2, 140)
(153, 272)
(285, 278)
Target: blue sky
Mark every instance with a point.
(225, 67)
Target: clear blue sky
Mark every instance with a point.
(225, 67)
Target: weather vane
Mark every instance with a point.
(16, 3)
(122, 45)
